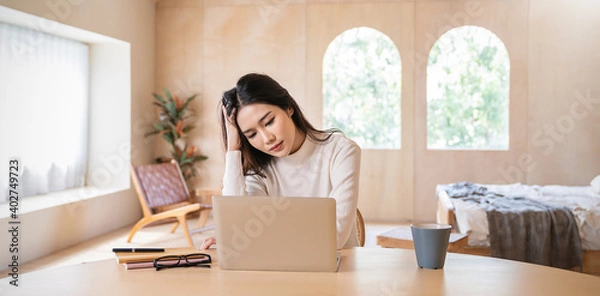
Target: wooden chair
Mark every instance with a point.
(360, 228)
(164, 195)
(204, 196)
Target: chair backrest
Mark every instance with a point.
(360, 228)
(160, 186)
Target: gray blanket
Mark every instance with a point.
(524, 229)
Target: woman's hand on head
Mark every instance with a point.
(208, 242)
(233, 136)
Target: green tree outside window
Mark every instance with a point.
(467, 91)
(361, 88)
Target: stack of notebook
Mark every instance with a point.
(137, 258)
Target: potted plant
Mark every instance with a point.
(174, 127)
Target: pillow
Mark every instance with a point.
(596, 184)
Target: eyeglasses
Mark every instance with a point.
(171, 261)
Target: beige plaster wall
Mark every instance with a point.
(49, 230)
(178, 51)
(216, 42)
(564, 92)
(553, 52)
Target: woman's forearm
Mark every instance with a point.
(233, 178)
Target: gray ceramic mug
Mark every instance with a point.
(431, 244)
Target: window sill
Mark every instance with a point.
(40, 202)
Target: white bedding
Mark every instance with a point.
(583, 202)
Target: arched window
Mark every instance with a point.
(467, 91)
(361, 88)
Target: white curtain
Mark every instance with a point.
(43, 110)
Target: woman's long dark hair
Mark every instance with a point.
(256, 88)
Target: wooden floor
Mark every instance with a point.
(153, 236)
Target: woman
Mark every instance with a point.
(272, 150)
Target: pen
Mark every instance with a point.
(137, 250)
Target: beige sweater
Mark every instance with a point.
(329, 169)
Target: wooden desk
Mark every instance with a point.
(363, 271)
(401, 237)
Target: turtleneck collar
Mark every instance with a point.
(307, 148)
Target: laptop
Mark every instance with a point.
(276, 233)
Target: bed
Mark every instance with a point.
(473, 218)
